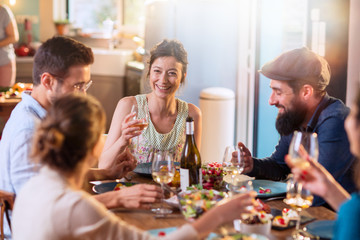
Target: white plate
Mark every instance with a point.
(239, 178)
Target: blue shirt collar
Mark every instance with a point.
(37, 109)
(325, 101)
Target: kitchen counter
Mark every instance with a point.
(24, 59)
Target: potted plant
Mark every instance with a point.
(62, 26)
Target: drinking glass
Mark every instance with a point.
(141, 114)
(163, 171)
(233, 166)
(303, 146)
(297, 198)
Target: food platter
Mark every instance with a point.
(292, 223)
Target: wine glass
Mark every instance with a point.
(233, 166)
(142, 115)
(302, 147)
(297, 198)
(163, 171)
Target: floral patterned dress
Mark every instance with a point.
(150, 139)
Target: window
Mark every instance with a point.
(93, 15)
(105, 16)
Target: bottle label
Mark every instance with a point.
(184, 179)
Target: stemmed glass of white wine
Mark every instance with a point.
(163, 171)
(297, 198)
(143, 116)
(233, 166)
(303, 146)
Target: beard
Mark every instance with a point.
(291, 120)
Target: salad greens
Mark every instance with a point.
(196, 201)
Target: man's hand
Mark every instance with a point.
(123, 164)
(246, 156)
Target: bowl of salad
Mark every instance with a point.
(195, 201)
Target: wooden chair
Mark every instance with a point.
(6, 205)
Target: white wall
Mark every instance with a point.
(353, 77)
(47, 29)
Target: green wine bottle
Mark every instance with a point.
(190, 165)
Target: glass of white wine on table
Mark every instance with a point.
(298, 198)
(163, 171)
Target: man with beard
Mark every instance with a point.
(298, 81)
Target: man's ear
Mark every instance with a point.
(307, 91)
(47, 81)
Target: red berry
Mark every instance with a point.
(281, 221)
(161, 233)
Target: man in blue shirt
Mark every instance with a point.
(298, 81)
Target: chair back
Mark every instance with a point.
(7, 200)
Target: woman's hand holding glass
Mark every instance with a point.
(129, 128)
(140, 114)
(303, 155)
(303, 148)
(143, 120)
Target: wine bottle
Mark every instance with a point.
(190, 165)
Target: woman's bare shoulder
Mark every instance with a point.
(194, 111)
(127, 100)
(125, 104)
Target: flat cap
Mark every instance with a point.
(299, 65)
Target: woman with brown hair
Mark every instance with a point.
(166, 113)
(53, 206)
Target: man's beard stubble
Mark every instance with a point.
(291, 120)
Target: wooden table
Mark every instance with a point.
(144, 219)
